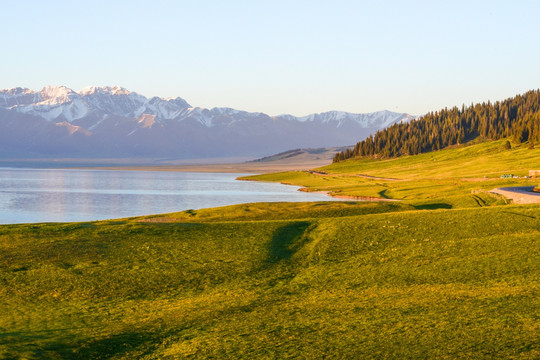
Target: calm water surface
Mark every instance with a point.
(36, 195)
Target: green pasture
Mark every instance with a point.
(357, 280)
(451, 178)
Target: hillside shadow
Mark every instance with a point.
(433, 206)
(43, 345)
(106, 348)
(282, 245)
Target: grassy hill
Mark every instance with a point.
(455, 177)
(292, 280)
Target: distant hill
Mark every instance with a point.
(112, 122)
(517, 118)
(315, 154)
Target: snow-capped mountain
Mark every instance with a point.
(62, 103)
(114, 122)
(380, 119)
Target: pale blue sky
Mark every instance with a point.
(277, 56)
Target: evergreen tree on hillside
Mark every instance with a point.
(517, 118)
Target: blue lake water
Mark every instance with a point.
(43, 195)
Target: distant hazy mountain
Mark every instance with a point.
(112, 122)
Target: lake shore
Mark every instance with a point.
(60, 195)
(246, 167)
(303, 161)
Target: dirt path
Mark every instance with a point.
(324, 173)
(519, 194)
(378, 178)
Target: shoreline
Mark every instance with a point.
(39, 218)
(346, 197)
(249, 167)
(329, 194)
(244, 167)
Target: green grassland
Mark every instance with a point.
(445, 277)
(457, 177)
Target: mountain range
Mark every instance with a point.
(112, 122)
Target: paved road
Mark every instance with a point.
(519, 195)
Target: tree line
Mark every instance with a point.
(517, 118)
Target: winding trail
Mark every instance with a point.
(324, 173)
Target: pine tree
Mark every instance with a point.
(517, 118)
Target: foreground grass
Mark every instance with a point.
(335, 280)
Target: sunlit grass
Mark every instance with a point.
(457, 177)
(356, 280)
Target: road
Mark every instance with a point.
(519, 195)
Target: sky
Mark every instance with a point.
(297, 57)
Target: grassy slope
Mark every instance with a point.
(441, 178)
(474, 160)
(303, 280)
(402, 284)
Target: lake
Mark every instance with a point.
(58, 195)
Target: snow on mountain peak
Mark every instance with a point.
(114, 90)
(383, 117)
(62, 103)
(113, 122)
(16, 91)
(118, 90)
(17, 96)
(52, 95)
